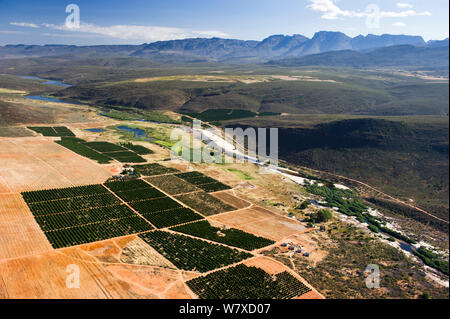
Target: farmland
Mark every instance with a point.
(72, 204)
(140, 194)
(153, 169)
(61, 193)
(172, 185)
(99, 231)
(75, 216)
(84, 150)
(206, 183)
(56, 131)
(229, 236)
(35, 163)
(138, 149)
(155, 205)
(194, 230)
(242, 282)
(260, 222)
(127, 185)
(79, 218)
(204, 203)
(192, 254)
(103, 152)
(172, 217)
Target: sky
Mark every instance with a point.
(145, 21)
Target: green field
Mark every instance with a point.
(228, 236)
(242, 282)
(192, 254)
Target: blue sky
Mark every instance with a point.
(139, 21)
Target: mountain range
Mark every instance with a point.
(393, 56)
(218, 49)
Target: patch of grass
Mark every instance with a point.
(221, 114)
(134, 114)
(241, 174)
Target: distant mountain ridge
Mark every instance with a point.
(218, 49)
(393, 56)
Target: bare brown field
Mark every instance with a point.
(39, 163)
(138, 252)
(100, 277)
(309, 243)
(261, 222)
(261, 189)
(228, 197)
(20, 235)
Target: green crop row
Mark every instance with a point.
(172, 217)
(83, 217)
(242, 282)
(96, 232)
(140, 194)
(153, 169)
(155, 205)
(120, 186)
(85, 151)
(73, 204)
(192, 254)
(230, 236)
(60, 193)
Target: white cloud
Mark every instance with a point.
(11, 32)
(24, 24)
(138, 33)
(330, 10)
(404, 5)
(399, 24)
(403, 14)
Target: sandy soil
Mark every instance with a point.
(262, 222)
(47, 274)
(33, 163)
(229, 198)
(20, 235)
(308, 244)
